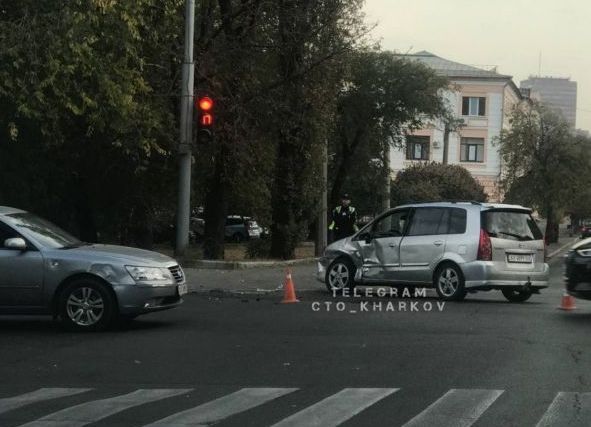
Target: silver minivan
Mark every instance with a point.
(455, 247)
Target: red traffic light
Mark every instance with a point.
(206, 119)
(205, 103)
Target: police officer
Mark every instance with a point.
(344, 219)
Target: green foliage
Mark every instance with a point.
(87, 124)
(542, 159)
(89, 111)
(383, 97)
(544, 164)
(433, 182)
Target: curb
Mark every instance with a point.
(560, 249)
(240, 265)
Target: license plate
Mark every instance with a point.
(522, 259)
(183, 289)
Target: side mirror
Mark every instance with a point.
(16, 243)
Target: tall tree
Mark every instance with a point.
(86, 86)
(383, 96)
(312, 37)
(542, 161)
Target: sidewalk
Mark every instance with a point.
(564, 241)
(270, 278)
(264, 279)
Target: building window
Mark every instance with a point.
(472, 150)
(473, 106)
(417, 148)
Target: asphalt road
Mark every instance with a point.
(248, 361)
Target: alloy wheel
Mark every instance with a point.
(448, 282)
(85, 306)
(338, 278)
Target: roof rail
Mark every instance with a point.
(474, 202)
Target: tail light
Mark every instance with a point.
(484, 247)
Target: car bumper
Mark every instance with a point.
(321, 267)
(139, 299)
(487, 275)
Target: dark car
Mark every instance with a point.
(585, 230)
(578, 270)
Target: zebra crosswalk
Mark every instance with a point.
(455, 407)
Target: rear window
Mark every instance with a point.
(511, 225)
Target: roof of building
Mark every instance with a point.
(453, 69)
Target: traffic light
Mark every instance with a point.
(205, 112)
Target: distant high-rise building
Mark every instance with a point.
(556, 93)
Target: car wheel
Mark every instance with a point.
(237, 238)
(515, 295)
(449, 283)
(87, 305)
(340, 275)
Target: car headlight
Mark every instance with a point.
(148, 274)
(584, 252)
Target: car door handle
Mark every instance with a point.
(392, 245)
(438, 242)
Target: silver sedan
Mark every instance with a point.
(45, 270)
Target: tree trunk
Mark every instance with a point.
(551, 227)
(284, 229)
(446, 143)
(344, 167)
(294, 140)
(84, 213)
(142, 228)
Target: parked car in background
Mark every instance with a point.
(585, 229)
(241, 228)
(454, 247)
(237, 229)
(45, 270)
(578, 270)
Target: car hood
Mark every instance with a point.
(345, 245)
(582, 244)
(122, 254)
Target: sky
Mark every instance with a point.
(509, 34)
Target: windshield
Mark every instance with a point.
(42, 231)
(511, 225)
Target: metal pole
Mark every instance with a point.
(186, 132)
(386, 188)
(321, 235)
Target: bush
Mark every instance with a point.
(433, 182)
(258, 248)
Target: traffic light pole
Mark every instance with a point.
(186, 132)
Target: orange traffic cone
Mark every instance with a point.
(289, 295)
(567, 303)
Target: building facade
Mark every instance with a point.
(559, 94)
(482, 99)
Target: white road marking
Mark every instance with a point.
(93, 411)
(568, 409)
(223, 407)
(337, 408)
(456, 408)
(10, 403)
